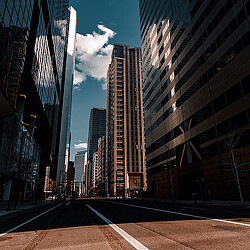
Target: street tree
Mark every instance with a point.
(234, 165)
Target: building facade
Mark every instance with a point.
(70, 187)
(196, 94)
(84, 174)
(33, 42)
(64, 143)
(97, 129)
(125, 161)
(101, 166)
(79, 171)
(94, 173)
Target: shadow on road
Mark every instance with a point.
(77, 214)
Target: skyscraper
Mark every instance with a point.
(97, 129)
(196, 79)
(101, 166)
(79, 170)
(125, 162)
(33, 41)
(64, 139)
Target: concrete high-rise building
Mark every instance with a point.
(32, 65)
(79, 170)
(64, 139)
(97, 129)
(196, 80)
(125, 163)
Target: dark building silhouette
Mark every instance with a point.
(33, 39)
(97, 129)
(70, 178)
(196, 80)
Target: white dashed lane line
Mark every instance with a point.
(135, 243)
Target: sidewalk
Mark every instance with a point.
(24, 205)
(204, 202)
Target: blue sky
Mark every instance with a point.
(100, 24)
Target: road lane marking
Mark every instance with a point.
(135, 243)
(14, 228)
(68, 203)
(188, 215)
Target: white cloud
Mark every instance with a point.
(79, 77)
(81, 145)
(104, 85)
(93, 55)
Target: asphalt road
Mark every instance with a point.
(126, 224)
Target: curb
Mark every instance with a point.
(198, 204)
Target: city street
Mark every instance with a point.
(126, 224)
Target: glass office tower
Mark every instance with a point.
(125, 162)
(196, 80)
(97, 129)
(64, 143)
(32, 64)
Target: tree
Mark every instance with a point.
(231, 141)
